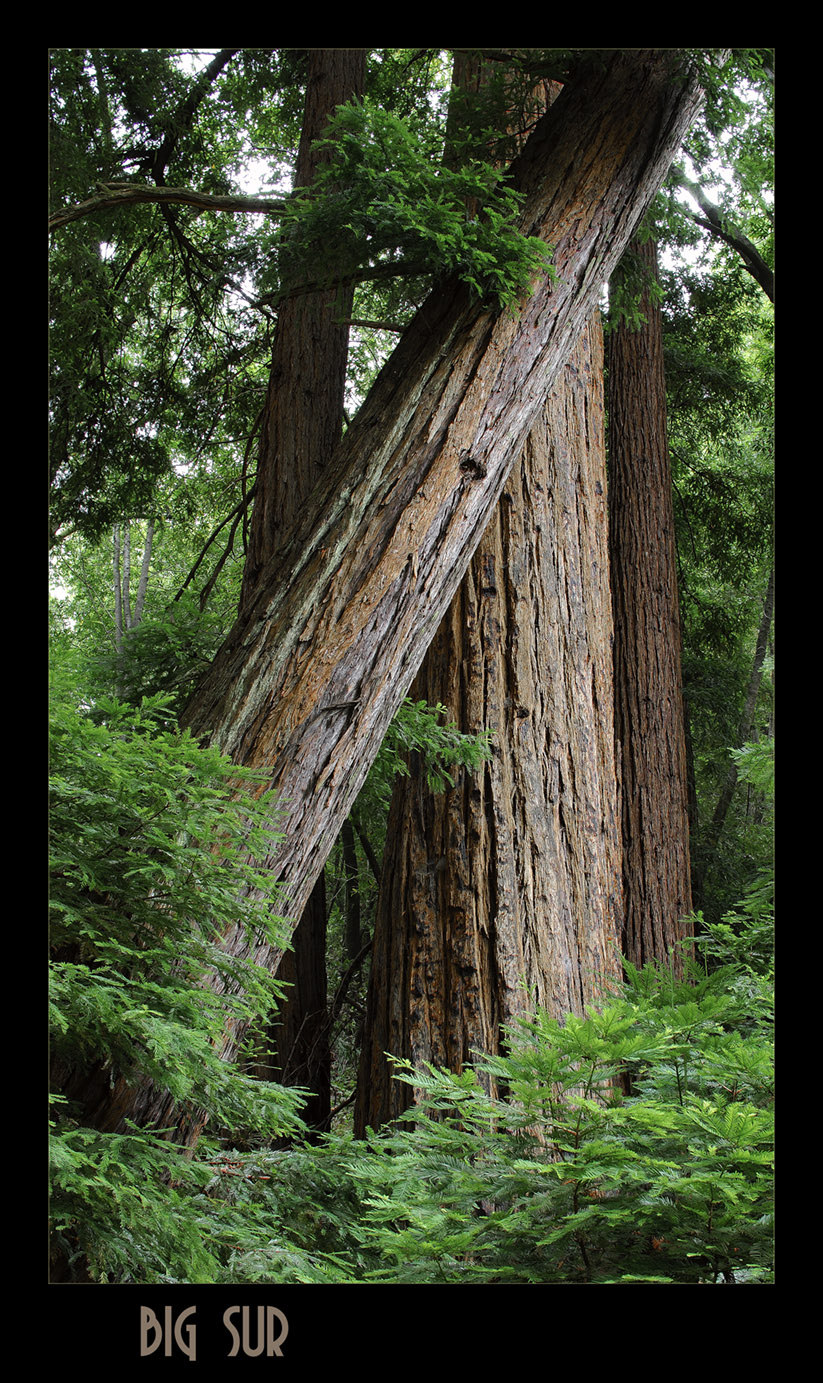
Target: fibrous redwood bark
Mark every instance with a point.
(303, 414)
(323, 654)
(505, 892)
(649, 714)
(301, 425)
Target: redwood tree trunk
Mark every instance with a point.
(649, 715)
(488, 906)
(504, 893)
(302, 423)
(322, 656)
(303, 415)
(316, 666)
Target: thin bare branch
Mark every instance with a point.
(184, 115)
(720, 226)
(111, 196)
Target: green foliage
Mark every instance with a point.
(150, 836)
(382, 194)
(159, 367)
(418, 728)
(291, 1216)
(718, 330)
(165, 655)
(123, 1202)
(755, 764)
(631, 282)
(150, 358)
(568, 1180)
(160, 342)
(562, 1177)
(744, 937)
(152, 841)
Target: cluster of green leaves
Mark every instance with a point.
(152, 843)
(745, 933)
(631, 284)
(151, 359)
(631, 1145)
(159, 370)
(153, 840)
(424, 730)
(723, 465)
(160, 340)
(166, 654)
(288, 1215)
(568, 1180)
(383, 194)
(562, 1177)
(718, 340)
(176, 639)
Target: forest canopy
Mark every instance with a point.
(411, 628)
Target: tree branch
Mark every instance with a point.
(182, 118)
(111, 196)
(367, 273)
(396, 327)
(342, 989)
(721, 227)
(236, 514)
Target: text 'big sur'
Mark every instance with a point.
(265, 1335)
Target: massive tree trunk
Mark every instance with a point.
(323, 654)
(316, 666)
(504, 893)
(303, 414)
(301, 425)
(649, 714)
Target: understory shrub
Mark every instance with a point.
(152, 845)
(630, 1145)
(565, 1178)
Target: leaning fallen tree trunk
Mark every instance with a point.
(322, 656)
(319, 662)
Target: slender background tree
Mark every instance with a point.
(649, 717)
(301, 424)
